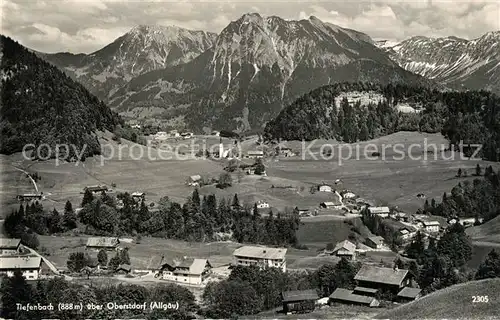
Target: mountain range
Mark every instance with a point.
(244, 76)
(454, 62)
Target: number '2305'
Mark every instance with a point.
(480, 299)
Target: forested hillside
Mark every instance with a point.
(471, 117)
(41, 105)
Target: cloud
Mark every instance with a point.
(88, 25)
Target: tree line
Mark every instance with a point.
(479, 199)
(470, 117)
(31, 219)
(200, 219)
(16, 290)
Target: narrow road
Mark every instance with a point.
(51, 266)
(29, 176)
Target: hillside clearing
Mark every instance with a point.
(455, 302)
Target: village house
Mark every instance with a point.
(123, 269)
(10, 246)
(466, 222)
(406, 233)
(431, 226)
(187, 271)
(30, 196)
(302, 211)
(194, 180)
(106, 243)
(345, 249)
(216, 133)
(174, 134)
(418, 223)
(335, 203)
(345, 296)
(408, 294)
(261, 256)
(376, 242)
(96, 189)
(324, 188)
(383, 279)
(382, 212)
(348, 195)
(261, 204)
(187, 135)
(300, 301)
(138, 196)
(30, 266)
(257, 154)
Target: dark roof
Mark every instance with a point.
(366, 290)
(408, 292)
(347, 295)
(381, 275)
(375, 239)
(299, 295)
(124, 267)
(96, 188)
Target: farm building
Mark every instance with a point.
(194, 180)
(406, 233)
(255, 154)
(328, 205)
(370, 292)
(408, 294)
(138, 196)
(30, 266)
(431, 226)
(348, 195)
(300, 301)
(348, 297)
(106, 243)
(187, 135)
(123, 268)
(261, 256)
(324, 188)
(174, 134)
(376, 242)
(384, 279)
(345, 249)
(187, 271)
(302, 211)
(30, 196)
(10, 246)
(96, 189)
(469, 221)
(380, 211)
(261, 204)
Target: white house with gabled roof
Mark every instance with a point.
(261, 256)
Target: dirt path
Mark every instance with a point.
(29, 176)
(51, 266)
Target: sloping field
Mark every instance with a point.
(488, 232)
(455, 302)
(394, 179)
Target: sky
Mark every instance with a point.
(88, 25)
